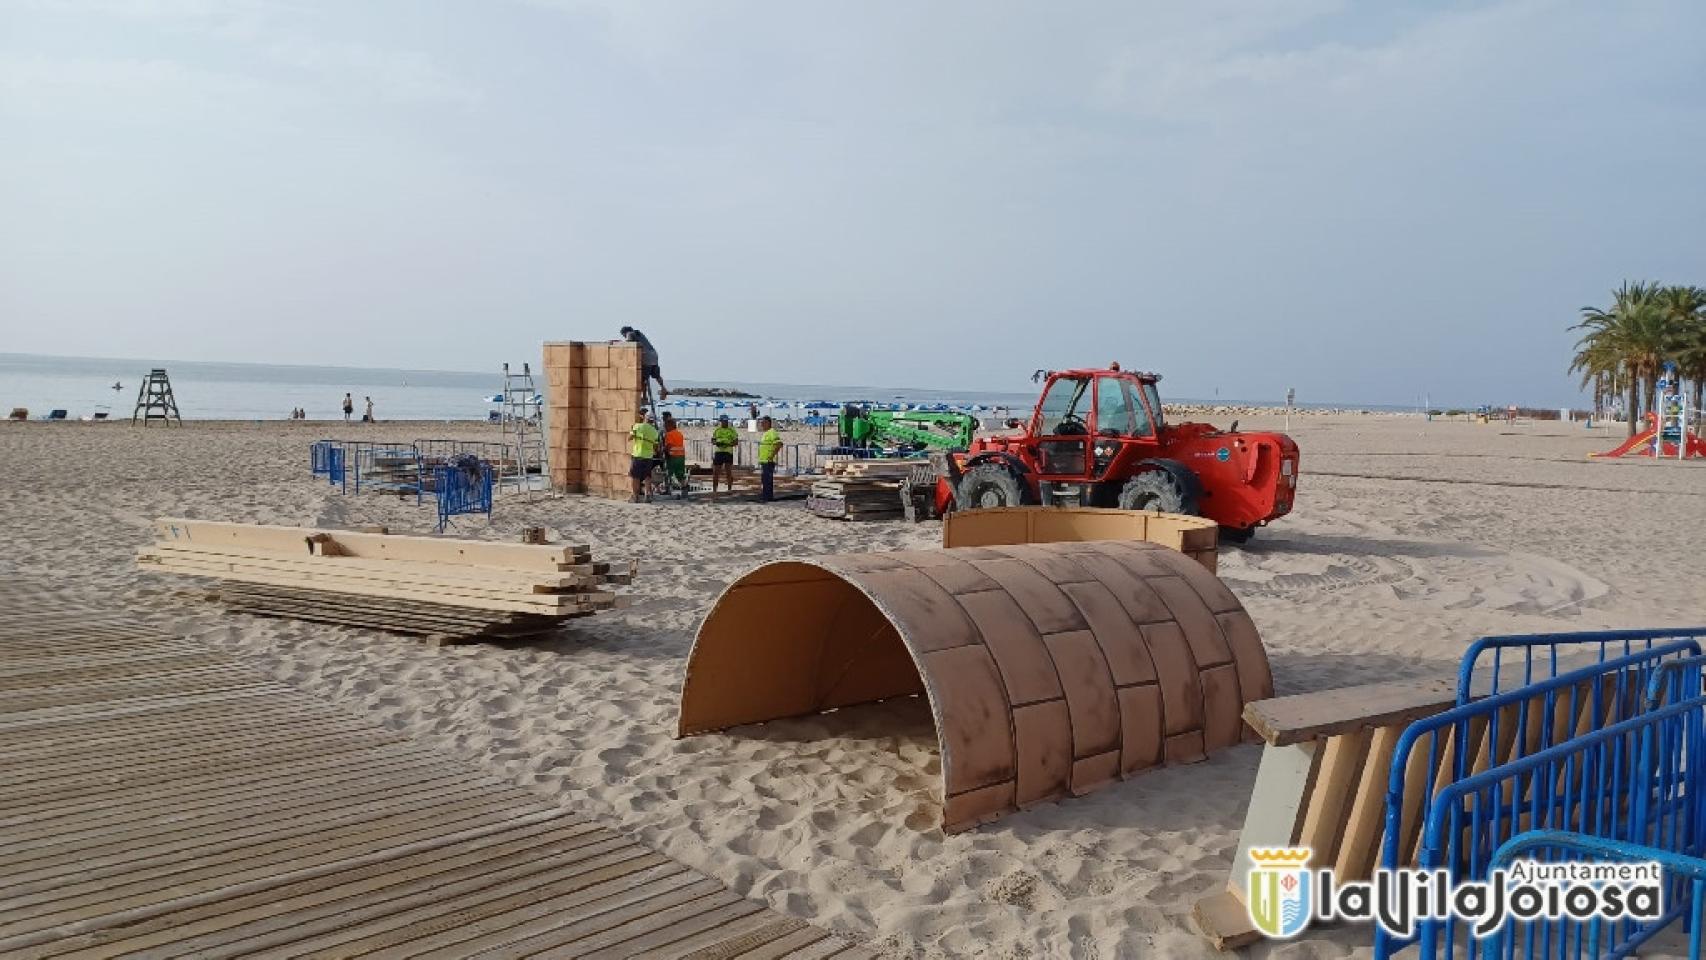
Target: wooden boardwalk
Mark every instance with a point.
(160, 799)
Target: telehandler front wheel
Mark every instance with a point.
(990, 485)
(1158, 490)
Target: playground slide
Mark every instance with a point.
(1641, 445)
(1642, 440)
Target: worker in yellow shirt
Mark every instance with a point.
(724, 440)
(643, 447)
(675, 455)
(769, 451)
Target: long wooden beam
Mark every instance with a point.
(373, 546)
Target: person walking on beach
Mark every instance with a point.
(649, 368)
(675, 454)
(643, 448)
(368, 416)
(349, 407)
(724, 439)
(769, 450)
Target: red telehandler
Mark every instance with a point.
(1097, 438)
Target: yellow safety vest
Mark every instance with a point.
(725, 439)
(769, 446)
(645, 437)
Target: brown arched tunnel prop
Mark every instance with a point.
(1051, 669)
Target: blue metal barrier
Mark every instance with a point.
(1676, 680)
(1504, 728)
(1542, 651)
(1685, 893)
(389, 468)
(1635, 781)
(326, 459)
(462, 486)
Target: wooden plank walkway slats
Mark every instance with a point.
(160, 799)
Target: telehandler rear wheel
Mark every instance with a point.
(990, 485)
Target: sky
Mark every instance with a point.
(1370, 202)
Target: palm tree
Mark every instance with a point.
(1624, 346)
(1685, 308)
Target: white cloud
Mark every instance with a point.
(400, 76)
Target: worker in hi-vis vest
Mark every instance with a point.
(643, 447)
(724, 440)
(675, 455)
(769, 451)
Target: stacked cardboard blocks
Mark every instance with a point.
(592, 391)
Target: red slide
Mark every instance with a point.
(1641, 444)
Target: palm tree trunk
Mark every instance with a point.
(1633, 408)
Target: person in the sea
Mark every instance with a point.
(649, 368)
(724, 439)
(349, 407)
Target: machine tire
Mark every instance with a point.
(1236, 534)
(918, 495)
(1158, 489)
(993, 481)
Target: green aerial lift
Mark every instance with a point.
(905, 431)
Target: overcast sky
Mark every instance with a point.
(1364, 200)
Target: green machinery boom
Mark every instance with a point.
(906, 429)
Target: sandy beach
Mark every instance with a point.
(1410, 538)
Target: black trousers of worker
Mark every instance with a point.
(767, 482)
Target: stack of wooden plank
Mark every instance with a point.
(892, 468)
(445, 588)
(856, 499)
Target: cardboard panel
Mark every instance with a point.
(973, 807)
(1140, 726)
(1026, 667)
(1090, 697)
(1208, 647)
(1223, 721)
(1043, 732)
(910, 598)
(1093, 772)
(1194, 536)
(1122, 643)
(1255, 679)
(973, 717)
(1176, 672)
(1042, 601)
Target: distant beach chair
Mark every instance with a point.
(55, 415)
(19, 413)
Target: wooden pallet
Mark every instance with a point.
(856, 499)
(444, 588)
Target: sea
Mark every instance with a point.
(83, 386)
